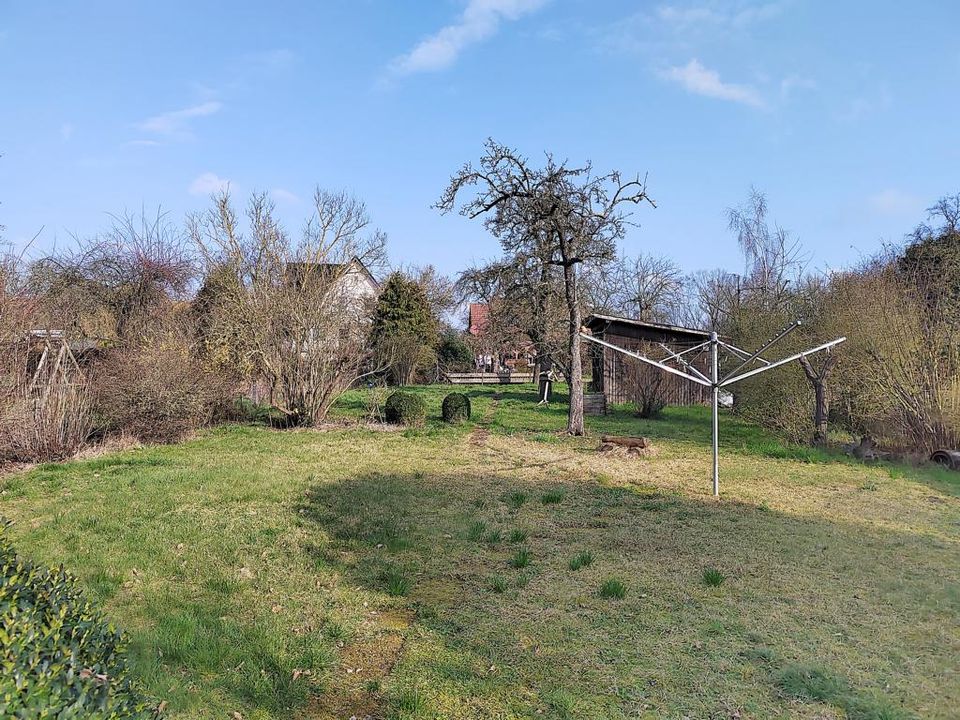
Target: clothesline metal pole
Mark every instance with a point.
(715, 372)
(715, 382)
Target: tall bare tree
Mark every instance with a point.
(772, 257)
(566, 214)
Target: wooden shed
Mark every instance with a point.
(617, 376)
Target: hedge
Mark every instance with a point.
(456, 408)
(59, 657)
(403, 408)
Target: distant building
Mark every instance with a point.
(616, 375)
(479, 319)
(354, 280)
(492, 356)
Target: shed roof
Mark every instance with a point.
(638, 328)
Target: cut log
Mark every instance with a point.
(636, 442)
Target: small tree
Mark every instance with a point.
(564, 215)
(404, 330)
(821, 405)
(290, 310)
(453, 353)
(525, 303)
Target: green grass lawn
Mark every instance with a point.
(499, 569)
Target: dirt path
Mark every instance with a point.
(355, 689)
(480, 434)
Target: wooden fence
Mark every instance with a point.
(485, 378)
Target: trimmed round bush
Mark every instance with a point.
(456, 408)
(403, 408)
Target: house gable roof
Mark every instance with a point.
(296, 271)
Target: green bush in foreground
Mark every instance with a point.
(456, 408)
(59, 657)
(403, 408)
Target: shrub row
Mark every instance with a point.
(60, 657)
(405, 408)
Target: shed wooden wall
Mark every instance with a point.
(620, 372)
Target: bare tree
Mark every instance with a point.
(772, 258)
(293, 307)
(565, 214)
(117, 283)
(818, 381)
(714, 296)
(645, 287)
(440, 290)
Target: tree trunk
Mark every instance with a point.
(821, 405)
(575, 379)
(820, 411)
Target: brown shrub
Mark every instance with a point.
(157, 393)
(49, 424)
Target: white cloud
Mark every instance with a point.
(734, 15)
(895, 202)
(208, 183)
(700, 80)
(480, 20)
(177, 122)
(686, 26)
(66, 131)
(688, 16)
(862, 106)
(283, 195)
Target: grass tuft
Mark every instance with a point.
(713, 577)
(581, 560)
(498, 584)
(552, 497)
(516, 499)
(493, 537)
(523, 579)
(395, 583)
(476, 530)
(613, 589)
(518, 535)
(410, 703)
(520, 559)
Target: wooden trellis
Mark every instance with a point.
(57, 364)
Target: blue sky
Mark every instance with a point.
(843, 113)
